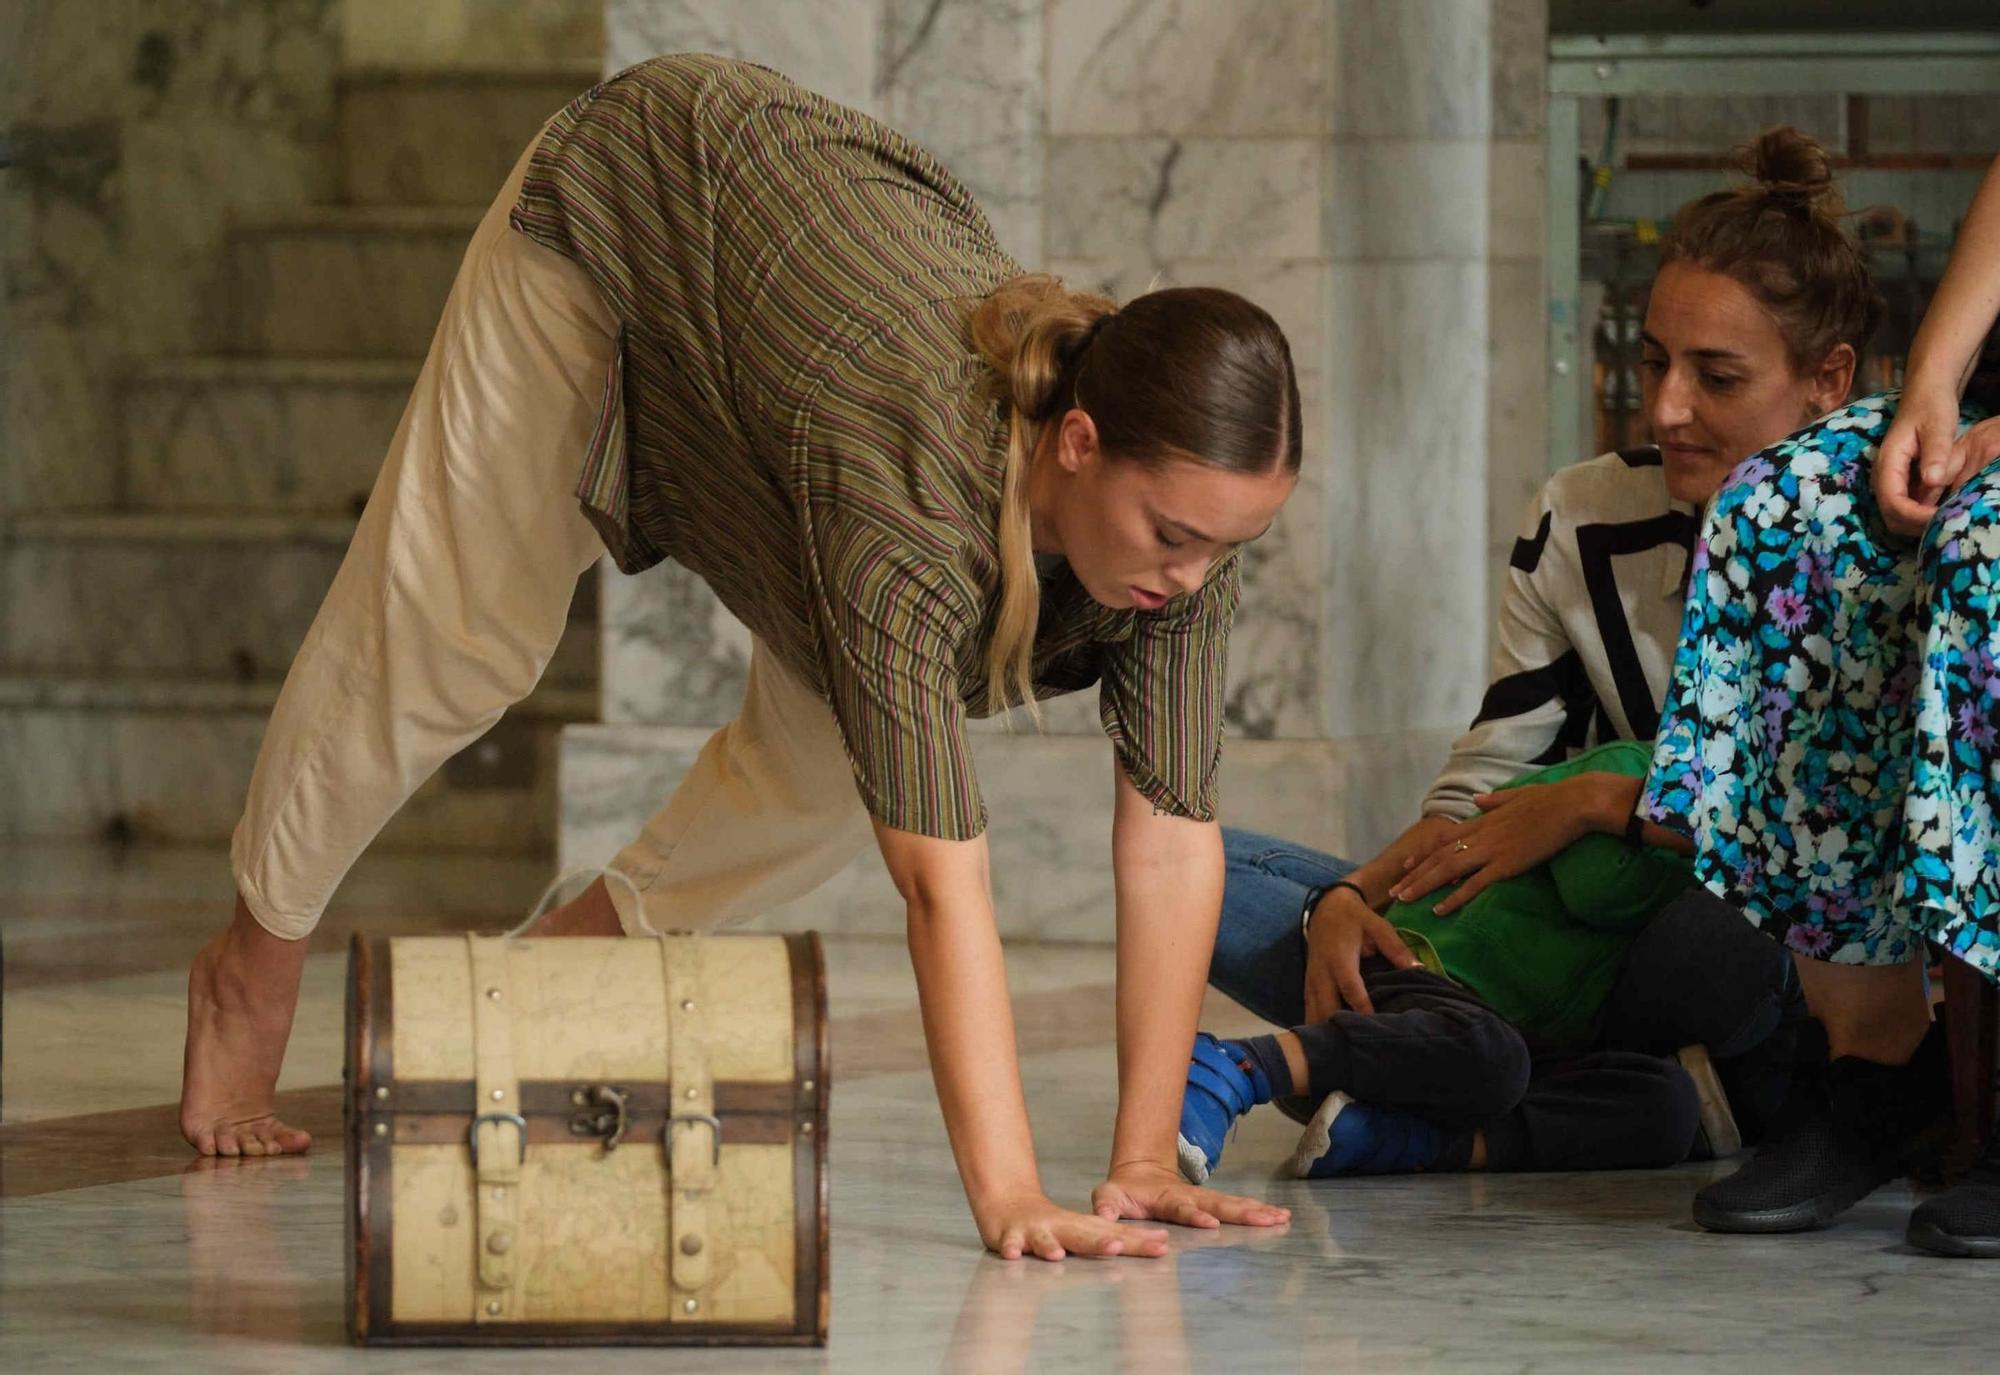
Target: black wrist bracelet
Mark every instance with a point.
(1312, 903)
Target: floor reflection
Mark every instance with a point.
(240, 1281)
(1001, 1320)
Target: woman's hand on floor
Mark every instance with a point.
(1029, 1224)
(1158, 1192)
(1343, 930)
(1519, 828)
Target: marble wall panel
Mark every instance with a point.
(470, 33)
(1409, 69)
(179, 777)
(107, 604)
(1146, 201)
(829, 46)
(1051, 873)
(138, 127)
(1383, 782)
(673, 655)
(345, 282)
(420, 137)
(1405, 620)
(1517, 412)
(1520, 39)
(1406, 199)
(964, 78)
(1517, 208)
(306, 436)
(1185, 67)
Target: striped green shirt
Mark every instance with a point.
(798, 415)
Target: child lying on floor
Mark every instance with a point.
(1582, 1015)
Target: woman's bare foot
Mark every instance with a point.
(589, 913)
(242, 992)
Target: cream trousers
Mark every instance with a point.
(449, 604)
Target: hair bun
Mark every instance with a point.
(1791, 166)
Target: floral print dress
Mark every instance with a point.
(1829, 736)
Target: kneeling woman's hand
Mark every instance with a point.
(1518, 829)
(1158, 1192)
(1029, 1224)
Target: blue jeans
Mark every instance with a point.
(1260, 959)
(1698, 975)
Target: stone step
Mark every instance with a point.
(443, 136)
(345, 281)
(1051, 847)
(168, 760)
(259, 434)
(224, 596)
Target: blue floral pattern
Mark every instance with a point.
(1829, 732)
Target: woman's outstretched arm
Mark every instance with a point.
(1923, 459)
(1168, 872)
(969, 1031)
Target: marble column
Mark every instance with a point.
(1406, 228)
(1517, 410)
(1334, 160)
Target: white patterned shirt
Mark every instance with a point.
(1588, 626)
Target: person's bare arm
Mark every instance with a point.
(1168, 872)
(1519, 828)
(1923, 459)
(969, 1032)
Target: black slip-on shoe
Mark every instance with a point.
(1846, 1133)
(1964, 1220)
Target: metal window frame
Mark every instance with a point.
(1584, 68)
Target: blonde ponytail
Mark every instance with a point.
(1031, 331)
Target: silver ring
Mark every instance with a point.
(1460, 848)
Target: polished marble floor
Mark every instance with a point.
(120, 1253)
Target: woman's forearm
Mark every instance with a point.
(1168, 876)
(968, 1022)
(969, 1032)
(1966, 302)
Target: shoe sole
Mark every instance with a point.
(1317, 1139)
(1194, 1165)
(1718, 1123)
(1927, 1236)
(1808, 1216)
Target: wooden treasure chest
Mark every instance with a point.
(587, 1140)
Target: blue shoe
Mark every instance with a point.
(1346, 1137)
(1222, 1085)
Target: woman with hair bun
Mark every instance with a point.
(1760, 309)
(1830, 743)
(716, 318)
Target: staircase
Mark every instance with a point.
(142, 646)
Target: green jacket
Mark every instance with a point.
(1543, 947)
